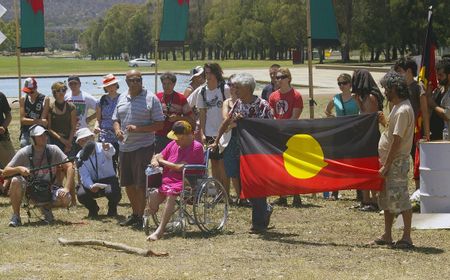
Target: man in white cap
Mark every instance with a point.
(34, 108)
(97, 174)
(197, 79)
(43, 163)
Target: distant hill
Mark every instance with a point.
(61, 14)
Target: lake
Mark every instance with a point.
(90, 84)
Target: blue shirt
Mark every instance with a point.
(141, 110)
(98, 166)
(351, 108)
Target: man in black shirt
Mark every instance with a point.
(34, 108)
(6, 147)
(268, 89)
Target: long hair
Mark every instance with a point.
(363, 85)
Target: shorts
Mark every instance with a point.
(55, 189)
(168, 190)
(214, 155)
(395, 196)
(132, 166)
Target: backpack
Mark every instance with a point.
(222, 90)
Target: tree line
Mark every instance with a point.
(270, 29)
(263, 29)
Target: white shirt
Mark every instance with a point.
(83, 102)
(213, 105)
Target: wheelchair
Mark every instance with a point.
(203, 202)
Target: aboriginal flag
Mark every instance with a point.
(286, 157)
(32, 26)
(427, 73)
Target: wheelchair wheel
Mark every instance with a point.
(211, 206)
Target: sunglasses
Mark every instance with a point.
(282, 77)
(134, 80)
(231, 85)
(63, 90)
(342, 83)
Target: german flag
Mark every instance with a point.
(286, 157)
(427, 73)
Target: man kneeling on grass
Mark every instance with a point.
(39, 170)
(97, 174)
(393, 148)
(183, 150)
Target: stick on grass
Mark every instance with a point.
(117, 246)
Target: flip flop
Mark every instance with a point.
(403, 244)
(380, 242)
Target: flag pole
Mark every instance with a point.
(19, 70)
(158, 11)
(310, 70)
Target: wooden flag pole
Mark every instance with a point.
(310, 70)
(19, 70)
(158, 11)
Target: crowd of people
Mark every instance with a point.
(134, 128)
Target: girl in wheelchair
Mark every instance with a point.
(182, 150)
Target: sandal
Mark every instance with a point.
(403, 244)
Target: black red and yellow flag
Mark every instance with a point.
(427, 73)
(286, 157)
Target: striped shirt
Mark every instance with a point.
(141, 110)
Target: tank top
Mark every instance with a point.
(346, 108)
(33, 110)
(61, 123)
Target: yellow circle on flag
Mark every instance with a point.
(303, 158)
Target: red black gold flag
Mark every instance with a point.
(427, 73)
(286, 157)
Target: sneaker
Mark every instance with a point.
(281, 201)
(15, 221)
(297, 201)
(131, 220)
(48, 214)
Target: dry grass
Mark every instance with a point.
(322, 240)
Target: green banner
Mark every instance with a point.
(324, 31)
(175, 23)
(32, 26)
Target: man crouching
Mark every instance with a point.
(37, 172)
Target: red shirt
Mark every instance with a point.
(283, 104)
(175, 103)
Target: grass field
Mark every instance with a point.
(321, 240)
(45, 65)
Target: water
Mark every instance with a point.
(90, 84)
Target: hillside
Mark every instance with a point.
(60, 14)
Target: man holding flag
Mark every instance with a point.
(249, 106)
(440, 103)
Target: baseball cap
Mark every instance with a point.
(83, 133)
(29, 85)
(179, 127)
(73, 78)
(197, 71)
(37, 130)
